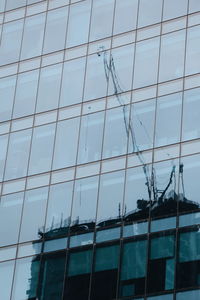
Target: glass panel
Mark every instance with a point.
(133, 268)
(2, 5)
(162, 297)
(146, 61)
(26, 91)
(7, 90)
(42, 149)
(52, 276)
(66, 143)
(91, 136)
(10, 42)
(135, 229)
(81, 239)
(116, 134)
(192, 295)
(84, 204)
(142, 126)
(26, 279)
(49, 88)
(72, 82)
(3, 147)
(78, 275)
(101, 10)
(173, 9)
(54, 245)
(194, 5)
(189, 219)
(33, 217)
(33, 36)
(18, 154)
(125, 16)
(108, 234)
(191, 110)
(110, 198)
(162, 262)
(6, 277)
(56, 22)
(11, 4)
(193, 51)
(163, 224)
(149, 12)
(189, 259)
(105, 271)
(78, 25)
(172, 55)
(10, 216)
(59, 208)
(168, 132)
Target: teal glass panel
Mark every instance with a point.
(169, 274)
(189, 219)
(134, 260)
(135, 229)
(107, 258)
(189, 246)
(81, 239)
(162, 247)
(161, 297)
(108, 234)
(191, 295)
(163, 224)
(80, 263)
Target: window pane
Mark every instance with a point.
(194, 5)
(3, 147)
(162, 297)
(66, 143)
(91, 136)
(18, 154)
(11, 41)
(26, 94)
(6, 277)
(78, 26)
(56, 22)
(49, 88)
(168, 132)
(193, 51)
(149, 12)
(192, 295)
(42, 149)
(11, 4)
(172, 55)
(33, 214)
(102, 10)
(10, 216)
(7, 90)
(174, 9)
(72, 82)
(146, 62)
(125, 15)
(33, 36)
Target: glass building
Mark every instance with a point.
(99, 149)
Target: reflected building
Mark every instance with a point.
(99, 150)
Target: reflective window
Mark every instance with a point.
(18, 154)
(192, 295)
(11, 4)
(6, 277)
(125, 16)
(59, 206)
(110, 198)
(26, 279)
(10, 42)
(193, 51)
(3, 147)
(33, 214)
(149, 12)
(146, 62)
(172, 55)
(78, 25)
(10, 216)
(56, 22)
(173, 9)
(7, 90)
(162, 297)
(162, 262)
(116, 132)
(79, 268)
(194, 5)
(105, 272)
(25, 94)
(65, 150)
(91, 135)
(33, 36)
(102, 10)
(168, 132)
(42, 149)
(191, 110)
(72, 82)
(49, 88)
(2, 5)
(141, 126)
(133, 269)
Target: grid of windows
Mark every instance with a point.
(100, 157)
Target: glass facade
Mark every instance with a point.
(99, 149)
